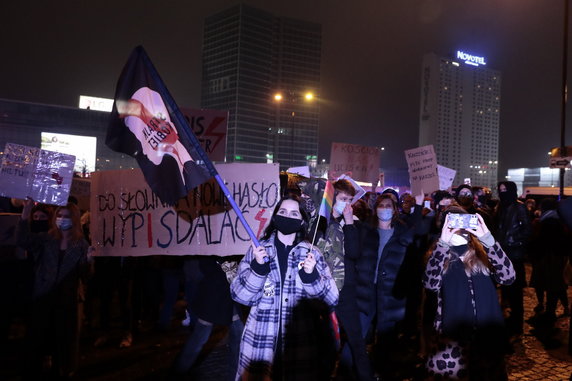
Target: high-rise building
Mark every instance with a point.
(459, 115)
(266, 71)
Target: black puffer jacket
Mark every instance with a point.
(387, 297)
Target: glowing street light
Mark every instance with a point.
(309, 96)
(278, 97)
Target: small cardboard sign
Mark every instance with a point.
(422, 164)
(446, 177)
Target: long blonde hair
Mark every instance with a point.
(76, 231)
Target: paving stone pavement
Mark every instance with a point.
(152, 353)
(532, 359)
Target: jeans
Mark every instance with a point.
(353, 356)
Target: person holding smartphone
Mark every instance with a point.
(287, 284)
(462, 269)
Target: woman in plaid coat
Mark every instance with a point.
(287, 288)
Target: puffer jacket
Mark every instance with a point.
(387, 297)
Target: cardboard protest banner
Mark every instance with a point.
(81, 190)
(44, 176)
(359, 162)
(422, 165)
(359, 190)
(128, 219)
(210, 128)
(446, 177)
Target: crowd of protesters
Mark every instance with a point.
(386, 280)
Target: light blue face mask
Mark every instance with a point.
(385, 214)
(64, 223)
(339, 206)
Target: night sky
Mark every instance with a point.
(371, 60)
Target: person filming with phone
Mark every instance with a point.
(462, 269)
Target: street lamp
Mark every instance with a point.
(292, 99)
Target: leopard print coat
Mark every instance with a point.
(449, 358)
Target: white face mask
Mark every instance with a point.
(458, 240)
(339, 206)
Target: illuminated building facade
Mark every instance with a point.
(24, 122)
(459, 115)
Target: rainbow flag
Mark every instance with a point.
(327, 201)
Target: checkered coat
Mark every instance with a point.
(273, 308)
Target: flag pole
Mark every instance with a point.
(315, 231)
(170, 101)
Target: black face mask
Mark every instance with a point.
(465, 201)
(483, 200)
(459, 250)
(287, 225)
(39, 226)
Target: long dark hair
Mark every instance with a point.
(302, 234)
(395, 219)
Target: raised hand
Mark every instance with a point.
(309, 263)
(260, 254)
(446, 231)
(348, 214)
(419, 198)
(481, 229)
(27, 210)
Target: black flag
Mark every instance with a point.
(146, 123)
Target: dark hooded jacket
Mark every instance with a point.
(512, 223)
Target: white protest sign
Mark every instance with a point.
(446, 177)
(127, 218)
(302, 171)
(359, 162)
(44, 176)
(422, 165)
(359, 190)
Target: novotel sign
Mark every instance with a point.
(470, 59)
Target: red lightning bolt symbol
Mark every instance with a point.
(211, 130)
(262, 220)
